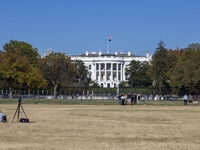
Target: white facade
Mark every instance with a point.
(108, 70)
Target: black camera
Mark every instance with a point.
(19, 100)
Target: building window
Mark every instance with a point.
(119, 76)
(101, 85)
(108, 66)
(90, 67)
(119, 66)
(108, 76)
(97, 76)
(97, 66)
(114, 85)
(108, 85)
(114, 67)
(102, 66)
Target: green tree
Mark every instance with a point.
(137, 73)
(194, 46)
(159, 67)
(57, 68)
(82, 75)
(22, 49)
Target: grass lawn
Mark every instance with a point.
(102, 127)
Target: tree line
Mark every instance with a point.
(21, 67)
(175, 71)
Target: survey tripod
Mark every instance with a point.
(18, 110)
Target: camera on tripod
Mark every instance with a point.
(24, 120)
(19, 100)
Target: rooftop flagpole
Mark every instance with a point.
(108, 43)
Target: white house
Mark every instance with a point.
(108, 70)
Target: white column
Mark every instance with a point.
(105, 72)
(99, 73)
(121, 73)
(117, 71)
(95, 72)
(111, 72)
(124, 76)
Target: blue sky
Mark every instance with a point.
(74, 26)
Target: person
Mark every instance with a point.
(129, 98)
(150, 97)
(185, 98)
(123, 99)
(138, 99)
(135, 99)
(120, 98)
(195, 100)
(132, 98)
(2, 117)
(190, 99)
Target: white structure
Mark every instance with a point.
(108, 70)
(47, 52)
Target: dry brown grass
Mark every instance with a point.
(102, 127)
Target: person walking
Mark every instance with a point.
(185, 98)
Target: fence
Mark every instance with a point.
(86, 95)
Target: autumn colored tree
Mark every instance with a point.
(185, 75)
(17, 71)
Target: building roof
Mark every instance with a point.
(114, 55)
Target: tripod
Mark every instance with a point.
(18, 110)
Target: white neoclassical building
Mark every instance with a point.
(108, 70)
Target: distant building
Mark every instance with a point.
(108, 70)
(48, 51)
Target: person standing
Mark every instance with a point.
(129, 98)
(120, 98)
(190, 99)
(135, 99)
(138, 99)
(123, 99)
(195, 99)
(185, 98)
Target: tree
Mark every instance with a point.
(22, 49)
(137, 73)
(57, 68)
(82, 75)
(159, 67)
(17, 72)
(186, 73)
(194, 46)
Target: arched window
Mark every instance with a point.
(102, 85)
(108, 85)
(114, 85)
